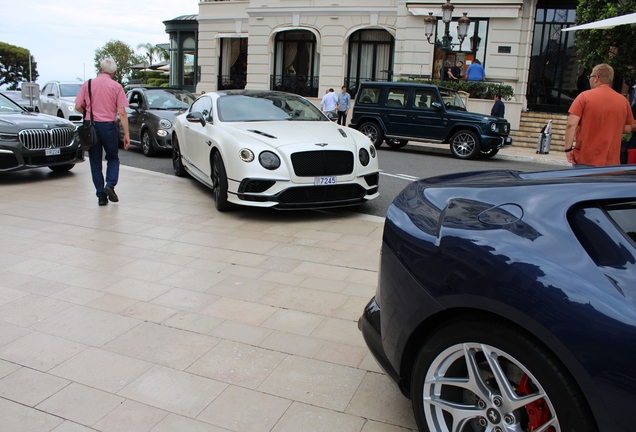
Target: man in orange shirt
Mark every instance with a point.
(598, 118)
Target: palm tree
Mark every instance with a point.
(151, 51)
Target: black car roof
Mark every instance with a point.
(401, 84)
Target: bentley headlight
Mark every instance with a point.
(372, 151)
(71, 108)
(269, 160)
(165, 124)
(246, 155)
(363, 155)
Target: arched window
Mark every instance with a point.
(296, 63)
(370, 58)
(189, 52)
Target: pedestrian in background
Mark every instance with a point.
(475, 72)
(329, 103)
(344, 103)
(457, 72)
(446, 70)
(498, 108)
(631, 147)
(107, 99)
(598, 118)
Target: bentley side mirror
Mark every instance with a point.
(134, 106)
(195, 117)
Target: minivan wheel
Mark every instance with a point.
(373, 131)
(464, 145)
(476, 374)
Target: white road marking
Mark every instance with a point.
(401, 176)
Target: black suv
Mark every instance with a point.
(399, 112)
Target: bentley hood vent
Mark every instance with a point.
(262, 133)
(343, 133)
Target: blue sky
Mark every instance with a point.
(63, 35)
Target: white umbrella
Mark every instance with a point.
(606, 23)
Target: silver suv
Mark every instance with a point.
(57, 98)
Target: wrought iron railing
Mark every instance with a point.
(353, 83)
(300, 85)
(231, 82)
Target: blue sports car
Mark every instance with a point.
(506, 301)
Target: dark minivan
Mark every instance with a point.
(399, 112)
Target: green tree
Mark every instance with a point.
(613, 46)
(14, 65)
(123, 55)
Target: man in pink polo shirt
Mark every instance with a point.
(108, 99)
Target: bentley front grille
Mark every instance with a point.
(39, 139)
(322, 163)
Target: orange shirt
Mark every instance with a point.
(604, 113)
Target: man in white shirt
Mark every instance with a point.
(329, 103)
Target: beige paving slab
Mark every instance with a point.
(301, 323)
(146, 270)
(101, 369)
(14, 280)
(184, 299)
(7, 368)
(370, 364)
(164, 345)
(302, 253)
(302, 299)
(352, 309)
(19, 418)
(239, 311)
(364, 277)
(137, 289)
(339, 330)
(313, 382)
(303, 417)
(283, 278)
(81, 404)
(149, 312)
(40, 351)
(95, 280)
(240, 332)
(240, 409)
(241, 288)
(10, 332)
(111, 303)
(193, 322)
(77, 295)
(323, 271)
(174, 422)
(86, 325)
(292, 344)
(343, 354)
(29, 386)
(7, 295)
(69, 426)
(237, 363)
(373, 426)
(130, 416)
(175, 391)
(31, 309)
(194, 279)
(322, 284)
(379, 399)
(284, 265)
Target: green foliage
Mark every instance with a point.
(123, 55)
(156, 82)
(14, 65)
(613, 46)
(477, 89)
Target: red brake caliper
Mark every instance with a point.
(538, 412)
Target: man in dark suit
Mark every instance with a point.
(498, 109)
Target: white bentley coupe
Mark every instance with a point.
(272, 149)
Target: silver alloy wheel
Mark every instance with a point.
(474, 386)
(372, 130)
(145, 142)
(464, 144)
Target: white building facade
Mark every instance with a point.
(309, 46)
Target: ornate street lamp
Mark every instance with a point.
(445, 45)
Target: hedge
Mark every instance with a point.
(477, 89)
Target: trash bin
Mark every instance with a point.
(544, 139)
